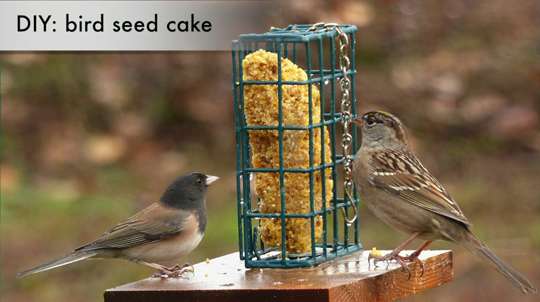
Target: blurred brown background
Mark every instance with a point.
(90, 138)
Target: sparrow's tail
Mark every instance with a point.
(478, 248)
(73, 257)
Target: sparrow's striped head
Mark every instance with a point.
(381, 127)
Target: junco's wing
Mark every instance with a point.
(401, 173)
(153, 223)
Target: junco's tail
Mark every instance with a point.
(478, 248)
(74, 257)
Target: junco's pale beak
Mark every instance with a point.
(210, 179)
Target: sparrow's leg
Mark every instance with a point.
(415, 254)
(395, 253)
(403, 260)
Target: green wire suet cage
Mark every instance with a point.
(297, 206)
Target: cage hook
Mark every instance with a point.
(349, 221)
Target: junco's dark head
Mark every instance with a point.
(188, 191)
(382, 128)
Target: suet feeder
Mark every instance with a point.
(294, 99)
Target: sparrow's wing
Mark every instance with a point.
(401, 173)
(153, 223)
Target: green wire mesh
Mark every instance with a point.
(316, 52)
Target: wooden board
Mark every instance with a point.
(346, 279)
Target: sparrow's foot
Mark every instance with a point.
(404, 261)
(413, 258)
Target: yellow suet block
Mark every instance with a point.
(261, 108)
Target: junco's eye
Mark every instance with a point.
(199, 180)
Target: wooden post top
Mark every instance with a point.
(346, 279)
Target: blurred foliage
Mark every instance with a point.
(90, 138)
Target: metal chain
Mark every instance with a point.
(346, 118)
(346, 114)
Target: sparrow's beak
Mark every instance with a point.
(358, 121)
(210, 179)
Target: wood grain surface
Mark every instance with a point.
(346, 279)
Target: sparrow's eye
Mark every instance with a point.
(370, 122)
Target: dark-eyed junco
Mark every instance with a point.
(401, 192)
(157, 236)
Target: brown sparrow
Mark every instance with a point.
(400, 191)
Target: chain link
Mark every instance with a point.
(346, 113)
